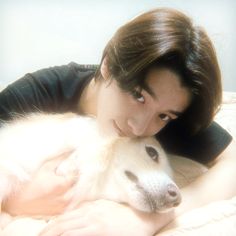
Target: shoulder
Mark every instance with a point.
(83, 67)
(63, 72)
(204, 147)
(52, 89)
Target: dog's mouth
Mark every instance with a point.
(155, 204)
(151, 201)
(148, 199)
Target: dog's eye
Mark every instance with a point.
(152, 152)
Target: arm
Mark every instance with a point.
(212, 185)
(220, 175)
(105, 218)
(47, 194)
(109, 218)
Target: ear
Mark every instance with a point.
(104, 69)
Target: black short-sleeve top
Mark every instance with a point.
(58, 89)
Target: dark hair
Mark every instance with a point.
(167, 38)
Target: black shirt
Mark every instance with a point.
(58, 89)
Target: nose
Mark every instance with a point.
(143, 125)
(173, 196)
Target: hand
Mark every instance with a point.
(47, 194)
(105, 218)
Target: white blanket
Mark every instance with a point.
(217, 218)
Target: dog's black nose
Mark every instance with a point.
(173, 196)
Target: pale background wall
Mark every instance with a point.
(37, 34)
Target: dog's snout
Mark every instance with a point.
(173, 195)
(172, 190)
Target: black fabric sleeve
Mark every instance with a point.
(55, 89)
(203, 147)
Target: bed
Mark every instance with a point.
(217, 218)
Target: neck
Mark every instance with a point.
(88, 100)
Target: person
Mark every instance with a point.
(158, 75)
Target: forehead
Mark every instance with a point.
(159, 78)
(165, 86)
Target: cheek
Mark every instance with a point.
(110, 106)
(107, 106)
(112, 102)
(104, 115)
(154, 129)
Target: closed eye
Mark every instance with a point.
(152, 152)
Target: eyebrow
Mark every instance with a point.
(147, 88)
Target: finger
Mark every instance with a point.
(52, 162)
(61, 227)
(69, 166)
(71, 215)
(87, 231)
(61, 183)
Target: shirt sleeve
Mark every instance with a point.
(203, 147)
(49, 90)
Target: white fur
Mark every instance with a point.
(27, 143)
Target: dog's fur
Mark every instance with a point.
(131, 171)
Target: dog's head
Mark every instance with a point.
(138, 173)
(134, 171)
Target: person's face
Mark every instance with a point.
(143, 112)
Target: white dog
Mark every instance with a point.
(131, 171)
